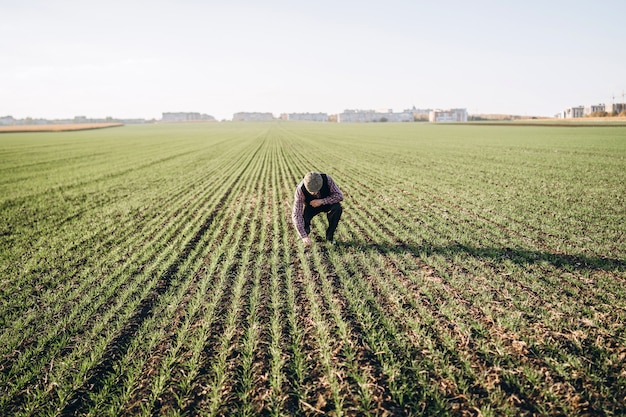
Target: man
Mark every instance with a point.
(316, 193)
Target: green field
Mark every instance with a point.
(154, 270)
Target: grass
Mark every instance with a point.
(153, 270)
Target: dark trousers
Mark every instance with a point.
(333, 214)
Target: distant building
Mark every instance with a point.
(356, 116)
(582, 111)
(403, 116)
(307, 117)
(370, 116)
(448, 116)
(185, 117)
(593, 109)
(574, 112)
(252, 117)
(616, 108)
(7, 121)
(420, 112)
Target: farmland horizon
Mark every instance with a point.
(10, 123)
(275, 115)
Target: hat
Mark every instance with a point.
(313, 182)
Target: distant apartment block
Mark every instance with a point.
(7, 121)
(357, 116)
(615, 108)
(573, 112)
(252, 117)
(185, 117)
(305, 117)
(448, 116)
(589, 110)
(582, 111)
(369, 116)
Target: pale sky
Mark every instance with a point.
(129, 58)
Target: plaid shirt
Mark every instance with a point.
(297, 212)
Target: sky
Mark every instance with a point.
(138, 59)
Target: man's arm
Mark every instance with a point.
(297, 212)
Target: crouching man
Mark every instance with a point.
(315, 194)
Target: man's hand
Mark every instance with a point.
(316, 203)
(306, 241)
